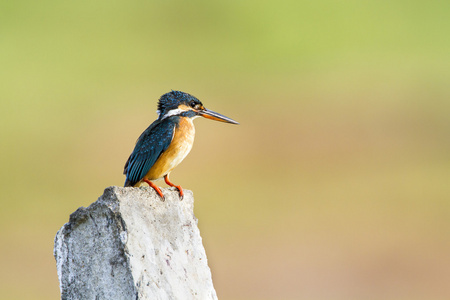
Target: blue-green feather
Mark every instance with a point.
(149, 147)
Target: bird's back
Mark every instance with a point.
(159, 149)
(179, 148)
(149, 146)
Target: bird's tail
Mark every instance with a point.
(132, 183)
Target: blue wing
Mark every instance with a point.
(150, 145)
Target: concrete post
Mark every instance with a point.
(131, 245)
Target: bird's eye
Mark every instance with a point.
(192, 104)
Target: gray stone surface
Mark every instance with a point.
(131, 245)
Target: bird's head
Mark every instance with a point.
(176, 103)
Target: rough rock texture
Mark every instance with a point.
(131, 245)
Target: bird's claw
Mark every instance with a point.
(181, 192)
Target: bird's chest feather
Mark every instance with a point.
(179, 148)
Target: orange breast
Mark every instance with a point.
(182, 142)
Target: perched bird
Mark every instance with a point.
(167, 141)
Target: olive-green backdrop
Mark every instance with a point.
(336, 185)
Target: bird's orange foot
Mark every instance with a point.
(156, 188)
(180, 189)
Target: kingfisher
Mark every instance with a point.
(167, 141)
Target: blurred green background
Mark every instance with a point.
(335, 185)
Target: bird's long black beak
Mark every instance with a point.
(209, 114)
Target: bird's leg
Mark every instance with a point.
(155, 188)
(166, 179)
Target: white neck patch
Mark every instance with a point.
(173, 112)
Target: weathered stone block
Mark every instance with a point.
(131, 245)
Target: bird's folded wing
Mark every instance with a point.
(150, 145)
